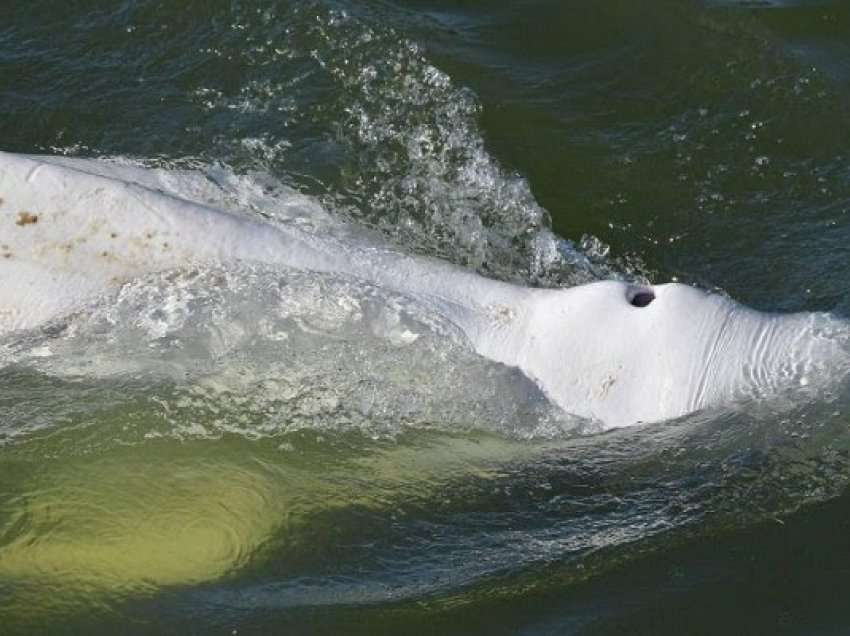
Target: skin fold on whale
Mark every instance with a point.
(617, 353)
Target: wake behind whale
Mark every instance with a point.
(73, 230)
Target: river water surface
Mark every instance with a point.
(253, 450)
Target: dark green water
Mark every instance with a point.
(700, 141)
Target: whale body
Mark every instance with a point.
(610, 351)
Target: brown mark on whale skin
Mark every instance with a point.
(26, 218)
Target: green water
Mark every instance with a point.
(204, 481)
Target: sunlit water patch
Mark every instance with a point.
(249, 530)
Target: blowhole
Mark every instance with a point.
(641, 298)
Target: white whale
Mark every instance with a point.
(73, 229)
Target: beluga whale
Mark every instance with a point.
(615, 352)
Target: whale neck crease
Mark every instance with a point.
(756, 355)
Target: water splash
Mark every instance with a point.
(404, 150)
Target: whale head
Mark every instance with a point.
(621, 353)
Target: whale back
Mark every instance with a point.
(70, 229)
